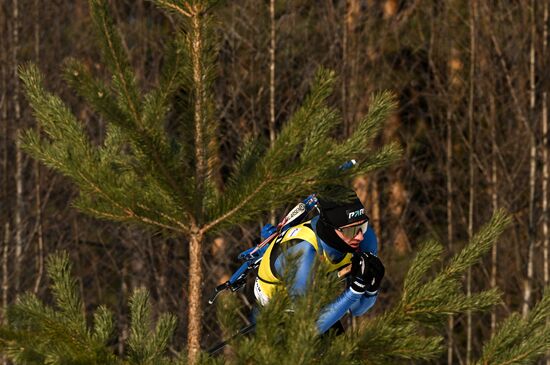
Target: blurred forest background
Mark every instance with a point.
(471, 80)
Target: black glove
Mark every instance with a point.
(366, 273)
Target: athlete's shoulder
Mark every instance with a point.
(302, 232)
(370, 242)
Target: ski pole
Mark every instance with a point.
(221, 345)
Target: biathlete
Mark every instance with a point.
(341, 236)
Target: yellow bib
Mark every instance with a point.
(267, 280)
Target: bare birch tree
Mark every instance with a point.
(471, 167)
(4, 49)
(528, 286)
(18, 223)
(454, 67)
(349, 50)
(545, 155)
(494, 197)
(272, 45)
(545, 162)
(272, 48)
(36, 168)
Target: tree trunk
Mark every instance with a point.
(376, 217)
(199, 110)
(5, 132)
(36, 167)
(349, 51)
(545, 162)
(123, 322)
(343, 71)
(272, 44)
(450, 230)
(494, 199)
(196, 236)
(5, 273)
(195, 295)
(18, 213)
(18, 224)
(272, 73)
(398, 194)
(366, 188)
(528, 287)
(473, 60)
(164, 270)
(454, 86)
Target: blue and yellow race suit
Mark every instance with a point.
(303, 241)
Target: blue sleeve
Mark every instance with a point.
(307, 257)
(336, 310)
(361, 306)
(370, 242)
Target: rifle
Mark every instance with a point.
(253, 256)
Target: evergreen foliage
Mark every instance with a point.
(37, 333)
(520, 340)
(427, 300)
(141, 173)
(286, 333)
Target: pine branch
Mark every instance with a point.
(426, 303)
(103, 325)
(103, 101)
(520, 340)
(123, 79)
(61, 336)
(56, 119)
(432, 301)
(395, 343)
(157, 102)
(96, 93)
(296, 129)
(381, 107)
(70, 152)
(145, 346)
(178, 7)
(149, 140)
(226, 216)
(244, 166)
(38, 334)
(478, 247)
(281, 174)
(65, 291)
(429, 253)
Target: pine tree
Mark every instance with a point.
(144, 172)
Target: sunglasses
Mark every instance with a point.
(352, 230)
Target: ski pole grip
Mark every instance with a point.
(217, 291)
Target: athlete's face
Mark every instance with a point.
(352, 234)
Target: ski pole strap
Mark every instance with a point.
(344, 271)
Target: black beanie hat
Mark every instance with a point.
(340, 206)
(340, 213)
